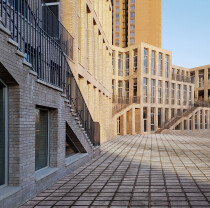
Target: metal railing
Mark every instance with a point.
(45, 43)
(125, 100)
(182, 78)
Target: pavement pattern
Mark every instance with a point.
(157, 170)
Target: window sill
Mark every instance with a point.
(8, 191)
(40, 174)
(74, 158)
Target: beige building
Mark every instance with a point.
(201, 76)
(136, 21)
(89, 22)
(148, 91)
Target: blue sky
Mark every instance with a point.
(186, 31)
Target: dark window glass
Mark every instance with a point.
(2, 137)
(71, 149)
(42, 140)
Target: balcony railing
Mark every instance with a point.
(125, 100)
(46, 43)
(182, 78)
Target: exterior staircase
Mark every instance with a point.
(175, 119)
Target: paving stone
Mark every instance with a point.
(164, 170)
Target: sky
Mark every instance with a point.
(186, 31)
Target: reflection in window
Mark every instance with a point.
(71, 148)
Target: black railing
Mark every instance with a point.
(125, 100)
(46, 43)
(182, 78)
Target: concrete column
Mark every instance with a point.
(124, 124)
(133, 121)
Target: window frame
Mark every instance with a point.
(48, 135)
(6, 134)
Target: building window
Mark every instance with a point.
(201, 78)
(184, 95)
(132, 8)
(159, 92)
(132, 21)
(166, 93)
(127, 64)
(113, 87)
(127, 90)
(208, 76)
(153, 63)
(190, 123)
(206, 121)
(172, 93)
(117, 16)
(132, 1)
(131, 27)
(190, 95)
(152, 91)
(166, 65)
(132, 34)
(131, 41)
(152, 119)
(113, 62)
(159, 117)
(120, 64)
(178, 94)
(120, 88)
(160, 65)
(201, 119)
(166, 114)
(3, 135)
(145, 89)
(42, 139)
(145, 118)
(135, 89)
(132, 14)
(71, 148)
(145, 60)
(117, 29)
(196, 120)
(135, 59)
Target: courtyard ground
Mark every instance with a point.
(157, 170)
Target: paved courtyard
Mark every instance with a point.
(163, 170)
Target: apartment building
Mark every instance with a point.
(55, 96)
(148, 91)
(136, 21)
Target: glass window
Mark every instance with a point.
(127, 64)
(190, 95)
(153, 63)
(117, 29)
(135, 88)
(172, 93)
(166, 93)
(42, 139)
(160, 65)
(127, 89)
(132, 34)
(132, 1)
(166, 65)
(132, 21)
(152, 90)
(135, 59)
(71, 148)
(145, 118)
(159, 92)
(132, 27)
(113, 62)
(145, 60)
(120, 88)
(145, 89)
(159, 117)
(132, 14)
(131, 41)
(117, 10)
(2, 136)
(185, 94)
(117, 16)
(178, 94)
(132, 8)
(120, 64)
(152, 119)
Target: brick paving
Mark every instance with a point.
(162, 170)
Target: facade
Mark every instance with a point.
(55, 97)
(136, 21)
(201, 76)
(148, 91)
